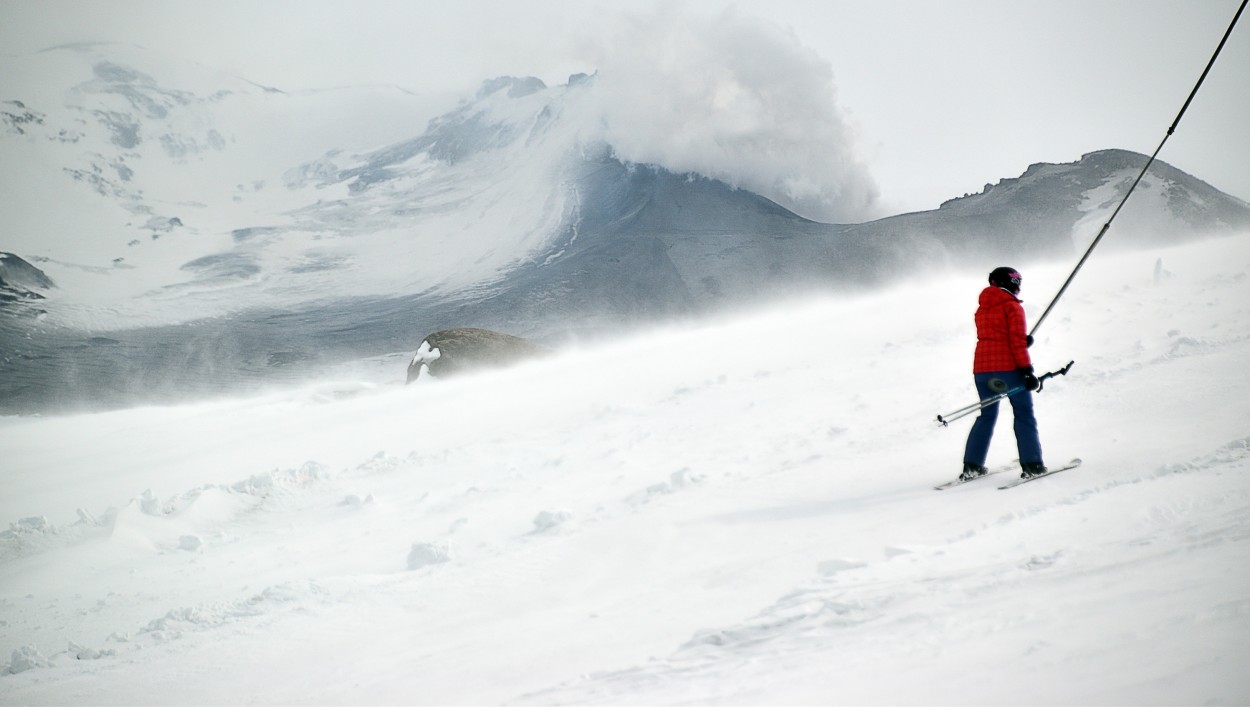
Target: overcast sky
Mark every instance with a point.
(941, 97)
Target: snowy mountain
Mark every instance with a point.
(734, 513)
(206, 234)
(122, 167)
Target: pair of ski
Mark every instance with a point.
(1014, 482)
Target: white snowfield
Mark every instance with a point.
(740, 512)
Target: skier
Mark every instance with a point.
(1002, 362)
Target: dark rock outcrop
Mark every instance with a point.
(19, 279)
(452, 351)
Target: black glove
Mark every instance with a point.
(1028, 341)
(1030, 380)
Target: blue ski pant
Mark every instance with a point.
(1027, 442)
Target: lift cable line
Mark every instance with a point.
(1171, 130)
(1005, 393)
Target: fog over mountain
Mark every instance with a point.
(614, 375)
(173, 230)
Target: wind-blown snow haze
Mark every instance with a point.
(737, 99)
(179, 239)
(609, 379)
(741, 512)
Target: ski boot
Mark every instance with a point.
(1031, 469)
(972, 471)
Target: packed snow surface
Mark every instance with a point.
(739, 512)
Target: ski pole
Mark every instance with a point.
(1171, 129)
(992, 400)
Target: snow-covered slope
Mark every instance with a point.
(739, 512)
(206, 235)
(123, 168)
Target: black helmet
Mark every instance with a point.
(1006, 278)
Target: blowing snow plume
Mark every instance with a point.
(555, 213)
(735, 99)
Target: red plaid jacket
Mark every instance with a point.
(1001, 334)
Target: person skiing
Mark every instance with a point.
(1001, 362)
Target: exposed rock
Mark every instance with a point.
(517, 87)
(453, 351)
(19, 280)
(226, 266)
(16, 272)
(17, 122)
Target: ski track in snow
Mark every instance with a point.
(713, 521)
(884, 597)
